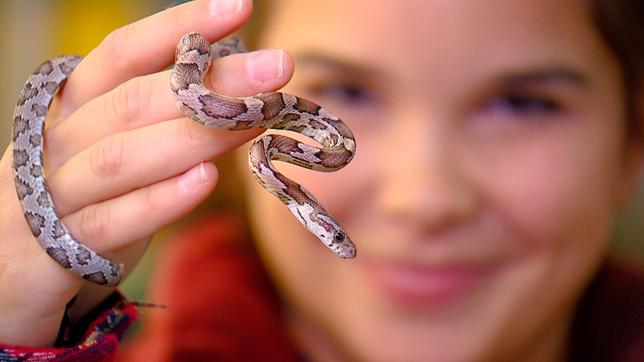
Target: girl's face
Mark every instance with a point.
(491, 159)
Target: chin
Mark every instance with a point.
(400, 342)
(455, 321)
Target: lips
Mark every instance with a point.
(422, 285)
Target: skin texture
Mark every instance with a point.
(491, 143)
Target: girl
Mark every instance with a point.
(497, 141)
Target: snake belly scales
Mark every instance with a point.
(266, 110)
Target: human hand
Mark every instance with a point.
(120, 159)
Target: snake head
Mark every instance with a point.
(339, 243)
(327, 229)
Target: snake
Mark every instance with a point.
(273, 110)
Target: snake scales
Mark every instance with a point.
(267, 110)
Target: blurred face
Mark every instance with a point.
(491, 159)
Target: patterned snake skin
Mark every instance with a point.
(267, 110)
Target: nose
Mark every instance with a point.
(423, 176)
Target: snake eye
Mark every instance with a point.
(338, 236)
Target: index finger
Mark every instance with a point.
(147, 46)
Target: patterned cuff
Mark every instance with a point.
(93, 338)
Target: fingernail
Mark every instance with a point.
(265, 65)
(193, 178)
(224, 8)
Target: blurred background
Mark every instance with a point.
(32, 31)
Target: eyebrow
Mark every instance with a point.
(335, 63)
(547, 74)
(529, 77)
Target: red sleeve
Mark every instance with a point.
(99, 342)
(220, 305)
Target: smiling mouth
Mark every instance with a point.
(416, 285)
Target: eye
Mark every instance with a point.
(338, 236)
(351, 94)
(524, 104)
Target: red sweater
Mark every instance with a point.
(221, 306)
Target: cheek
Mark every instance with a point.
(563, 190)
(556, 197)
(554, 192)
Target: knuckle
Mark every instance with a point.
(129, 100)
(152, 201)
(94, 223)
(192, 135)
(112, 51)
(179, 16)
(106, 159)
(55, 147)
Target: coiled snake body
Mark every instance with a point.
(268, 110)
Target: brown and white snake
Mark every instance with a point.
(267, 110)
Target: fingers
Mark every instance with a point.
(147, 46)
(145, 100)
(113, 224)
(134, 159)
(122, 220)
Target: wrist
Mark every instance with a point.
(29, 330)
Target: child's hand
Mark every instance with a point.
(120, 159)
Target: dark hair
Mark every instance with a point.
(620, 24)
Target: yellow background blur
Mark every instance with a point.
(34, 30)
